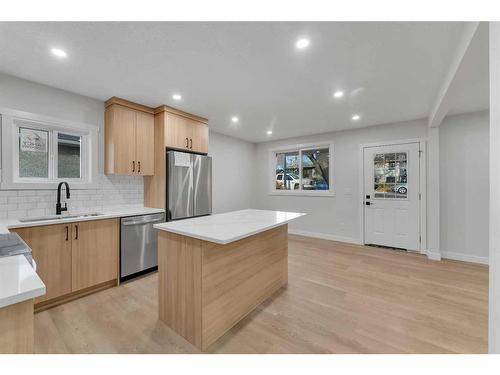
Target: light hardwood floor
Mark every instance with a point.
(340, 299)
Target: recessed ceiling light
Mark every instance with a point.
(58, 52)
(177, 96)
(355, 117)
(235, 119)
(302, 43)
(269, 132)
(338, 94)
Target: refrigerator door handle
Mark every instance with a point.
(202, 180)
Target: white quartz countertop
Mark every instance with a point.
(229, 227)
(18, 280)
(7, 224)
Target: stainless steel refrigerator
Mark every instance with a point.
(189, 185)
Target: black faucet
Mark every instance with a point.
(59, 208)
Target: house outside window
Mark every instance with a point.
(38, 152)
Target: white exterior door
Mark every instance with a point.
(392, 195)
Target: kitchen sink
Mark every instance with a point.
(57, 217)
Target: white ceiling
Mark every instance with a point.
(390, 71)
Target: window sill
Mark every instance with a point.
(302, 193)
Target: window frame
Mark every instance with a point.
(300, 148)
(12, 121)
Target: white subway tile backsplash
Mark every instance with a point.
(8, 193)
(15, 199)
(37, 212)
(113, 191)
(25, 193)
(17, 213)
(8, 206)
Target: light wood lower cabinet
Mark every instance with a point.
(94, 253)
(51, 246)
(206, 288)
(17, 328)
(73, 257)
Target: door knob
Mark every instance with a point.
(368, 203)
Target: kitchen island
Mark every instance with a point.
(214, 270)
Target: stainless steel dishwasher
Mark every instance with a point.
(138, 245)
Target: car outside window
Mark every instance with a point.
(305, 169)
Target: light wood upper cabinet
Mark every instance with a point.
(51, 249)
(200, 138)
(129, 138)
(184, 131)
(145, 144)
(178, 132)
(120, 140)
(95, 252)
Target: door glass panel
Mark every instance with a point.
(287, 171)
(390, 175)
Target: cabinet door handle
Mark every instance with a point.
(187, 143)
(67, 232)
(191, 143)
(133, 166)
(76, 232)
(139, 166)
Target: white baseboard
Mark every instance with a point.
(325, 236)
(432, 255)
(464, 257)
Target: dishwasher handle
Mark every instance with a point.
(141, 222)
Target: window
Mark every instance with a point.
(33, 153)
(287, 165)
(68, 155)
(303, 170)
(37, 153)
(390, 177)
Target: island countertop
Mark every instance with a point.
(230, 226)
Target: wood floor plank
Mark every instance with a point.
(340, 298)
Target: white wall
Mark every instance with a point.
(494, 236)
(464, 186)
(233, 159)
(332, 217)
(19, 94)
(233, 175)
